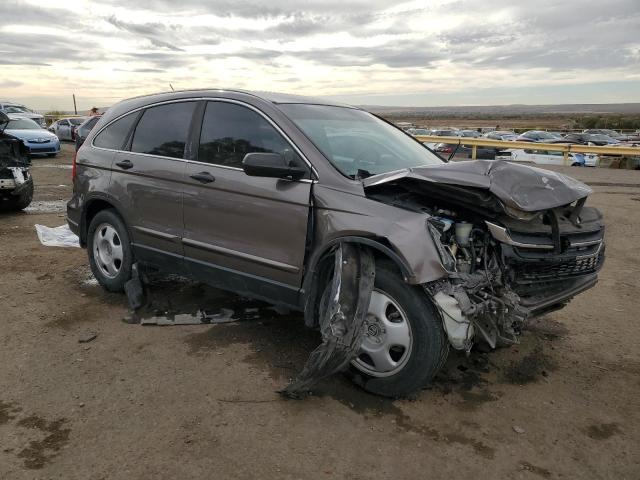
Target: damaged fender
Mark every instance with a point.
(343, 311)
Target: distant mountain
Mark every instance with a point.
(501, 110)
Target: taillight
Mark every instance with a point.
(73, 167)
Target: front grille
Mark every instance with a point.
(541, 271)
(42, 150)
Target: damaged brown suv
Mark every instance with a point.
(324, 208)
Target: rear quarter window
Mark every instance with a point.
(113, 137)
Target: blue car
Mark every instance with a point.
(37, 140)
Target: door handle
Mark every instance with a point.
(125, 164)
(204, 177)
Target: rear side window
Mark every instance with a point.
(230, 131)
(114, 136)
(163, 130)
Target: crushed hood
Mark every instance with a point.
(523, 187)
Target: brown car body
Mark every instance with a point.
(264, 237)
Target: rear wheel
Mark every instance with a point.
(404, 344)
(109, 250)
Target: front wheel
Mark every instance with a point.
(404, 344)
(22, 201)
(109, 250)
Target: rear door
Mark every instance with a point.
(246, 233)
(147, 179)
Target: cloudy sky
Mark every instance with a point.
(376, 52)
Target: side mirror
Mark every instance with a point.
(271, 165)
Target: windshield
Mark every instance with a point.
(357, 143)
(16, 109)
(23, 124)
(76, 121)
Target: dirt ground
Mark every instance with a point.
(199, 401)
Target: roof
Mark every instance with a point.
(273, 97)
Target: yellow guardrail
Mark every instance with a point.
(565, 148)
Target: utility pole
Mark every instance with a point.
(75, 108)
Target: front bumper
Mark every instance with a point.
(544, 303)
(43, 148)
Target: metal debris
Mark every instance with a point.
(201, 317)
(342, 316)
(88, 337)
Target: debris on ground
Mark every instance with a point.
(342, 317)
(201, 317)
(88, 337)
(134, 288)
(57, 236)
(518, 429)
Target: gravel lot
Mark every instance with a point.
(140, 402)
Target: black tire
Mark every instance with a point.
(430, 344)
(22, 201)
(110, 217)
(51, 155)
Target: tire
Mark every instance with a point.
(109, 250)
(429, 345)
(51, 155)
(22, 201)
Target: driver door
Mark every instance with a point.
(242, 233)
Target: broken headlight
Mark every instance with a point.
(520, 214)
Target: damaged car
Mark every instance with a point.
(393, 254)
(16, 184)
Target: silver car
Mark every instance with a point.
(65, 128)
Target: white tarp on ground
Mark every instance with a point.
(57, 236)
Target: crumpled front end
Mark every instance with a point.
(505, 264)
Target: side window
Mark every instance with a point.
(163, 130)
(230, 131)
(113, 137)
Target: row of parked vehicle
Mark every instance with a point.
(24, 135)
(593, 136)
(40, 140)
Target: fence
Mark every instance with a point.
(565, 148)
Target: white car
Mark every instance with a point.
(548, 157)
(65, 127)
(20, 111)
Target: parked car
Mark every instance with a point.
(438, 132)
(548, 157)
(83, 130)
(418, 131)
(16, 110)
(65, 128)
(297, 201)
(38, 140)
(488, 153)
(504, 135)
(16, 184)
(539, 136)
(614, 134)
(469, 133)
(590, 138)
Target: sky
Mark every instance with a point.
(365, 52)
